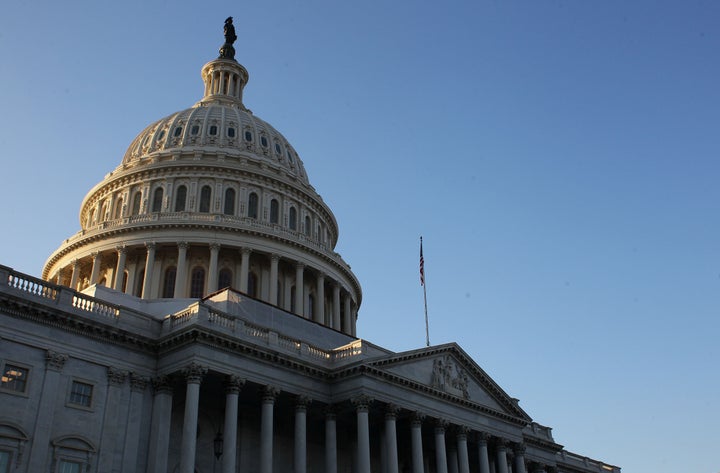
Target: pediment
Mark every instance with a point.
(448, 370)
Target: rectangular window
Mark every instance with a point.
(14, 378)
(4, 461)
(69, 467)
(81, 394)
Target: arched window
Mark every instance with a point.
(229, 207)
(274, 211)
(205, 195)
(253, 205)
(308, 226)
(252, 285)
(180, 198)
(169, 282)
(157, 200)
(311, 306)
(197, 283)
(91, 218)
(225, 278)
(101, 215)
(137, 200)
(118, 208)
(293, 219)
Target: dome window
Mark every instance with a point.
(177, 132)
(225, 278)
(205, 197)
(195, 130)
(169, 282)
(197, 283)
(157, 200)
(161, 135)
(263, 142)
(293, 219)
(277, 149)
(274, 211)
(231, 132)
(180, 197)
(308, 226)
(290, 156)
(248, 136)
(253, 205)
(213, 130)
(229, 208)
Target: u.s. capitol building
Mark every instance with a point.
(201, 321)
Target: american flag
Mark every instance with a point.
(422, 265)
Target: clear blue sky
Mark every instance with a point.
(560, 159)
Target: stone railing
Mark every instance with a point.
(585, 463)
(75, 303)
(200, 314)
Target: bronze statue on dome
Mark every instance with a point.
(227, 51)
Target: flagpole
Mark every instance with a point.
(422, 282)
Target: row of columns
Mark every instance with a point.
(341, 301)
(457, 461)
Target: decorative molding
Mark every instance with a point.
(233, 384)
(302, 402)
(161, 384)
(269, 393)
(138, 383)
(449, 377)
(361, 402)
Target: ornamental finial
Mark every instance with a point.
(227, 51)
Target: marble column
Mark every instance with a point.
(416, 439)
(347, 315)
(266, 428)
(193, 375)
(181, 271)
(320, 302)
(391, 411)
(336, 307)
(96, 262)
(274, 260)
(149, 266)
(213, 268)
(483, 452)
(75, 274)
(441, 464)
(501, 464)
(230, 431)
(330, 440)
(362, 406)
(120, 269)
(112, 419)
(45, 413)
(299, 293)
(519, 451)
(463, 460)
(160, 426)
(244, 269)
(134, 419)
(300, 453)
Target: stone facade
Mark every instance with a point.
(134, 353)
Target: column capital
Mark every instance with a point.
(75, 263)
(391, 410)
(302, 402)
(299, 265)
(519, 448)
(54, 360)
(150, 245)
(462, 431)
(483, 437)
(245, 251)
(194, 373)
(417, 418)
(122, 249)
(275, 257)
(361, 402)
(501, 443)
(138, 383)
(269, 393)
(161, 384)
(330, 411)
(441, 425)
(95, 254)
(233, 384)
(183, 245)
(116, 377)
(214, 246)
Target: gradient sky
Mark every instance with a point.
(560, 159)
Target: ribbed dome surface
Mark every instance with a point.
(222, 127)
